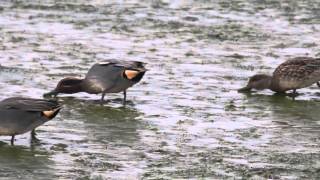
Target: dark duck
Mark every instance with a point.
(20, 115)
(110, 76)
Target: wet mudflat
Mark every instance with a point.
(185, 119)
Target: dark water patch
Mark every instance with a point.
(55, 6)
(23, 162)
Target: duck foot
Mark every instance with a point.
(293, 95)
(34, 140)
(102, 102)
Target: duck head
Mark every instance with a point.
(258, 82)
(67, 85)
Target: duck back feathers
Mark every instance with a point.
(296, 73)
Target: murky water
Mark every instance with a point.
(185, 119)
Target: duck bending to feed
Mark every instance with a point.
(111, 76)
(20, 115)
(293, 74)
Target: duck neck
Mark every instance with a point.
(274, 85)
(79, 86)
(266, 83)
(269, 82)
(71, 86)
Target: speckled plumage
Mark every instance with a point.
(293, 74)
(296, 73)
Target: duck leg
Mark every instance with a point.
(12, 140)
(318, 84)
(102, 97)
(33, 134)
(294, 94)
(124, 97)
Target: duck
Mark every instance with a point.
(108, 76)
(293, 74)
(20, 115)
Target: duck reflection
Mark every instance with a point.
(284, 108)
(104, 124)
(20, 160)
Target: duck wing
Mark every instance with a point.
(104, 71)
(29, 104)
(107, 74)
(131, 65)
(298, 68)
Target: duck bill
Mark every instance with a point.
(50, 94)
(244, 89)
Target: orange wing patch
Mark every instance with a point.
(130, 74)
(50, 113)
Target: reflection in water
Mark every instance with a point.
(106, 136)
(293, 132)
(106, 124)
(285, 108)
(23, 162)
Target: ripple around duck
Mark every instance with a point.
(185, 119)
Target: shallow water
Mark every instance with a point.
(185, 119)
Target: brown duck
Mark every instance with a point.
(293, 74)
